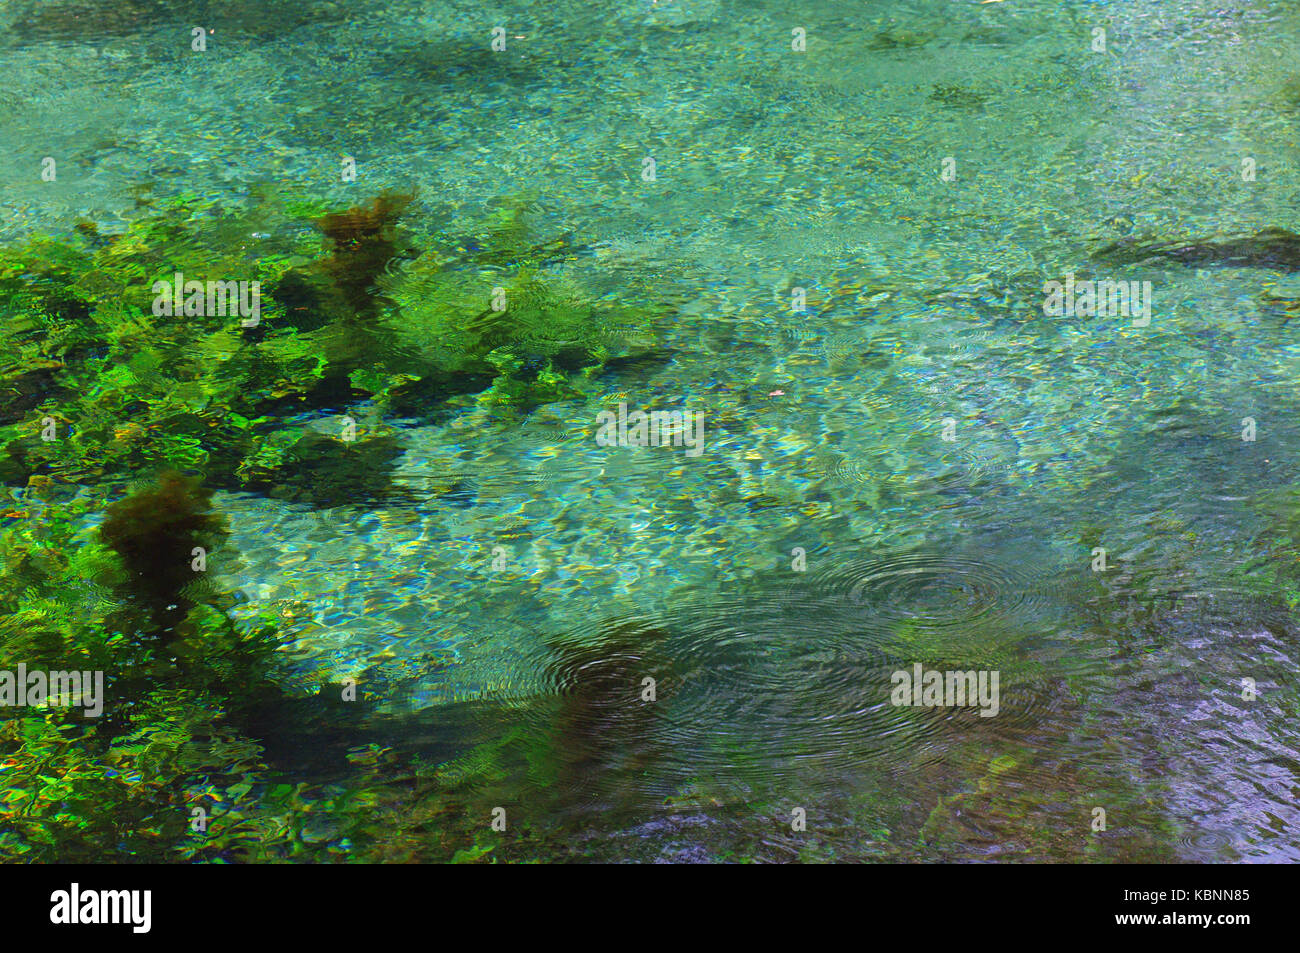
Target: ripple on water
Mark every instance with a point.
(924, 589)
(1207, 845)
(794, 680)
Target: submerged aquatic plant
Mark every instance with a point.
(108, 382)
(499, 310)
(102, 383)
(163, 533)
(960, 97)
(120, 784)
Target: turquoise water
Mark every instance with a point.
(518, 615)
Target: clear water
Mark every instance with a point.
(520, 683)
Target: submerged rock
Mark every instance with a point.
(1269, 248)
(900, 38)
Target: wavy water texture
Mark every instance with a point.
(907, 461)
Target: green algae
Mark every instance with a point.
(1289, 92)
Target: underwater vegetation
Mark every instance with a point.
(1289, 92)
(959, 97)
(119, 383)
(97, 384)
(159, 532)
(177, 674)
(200, 755)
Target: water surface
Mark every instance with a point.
(519, 685)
